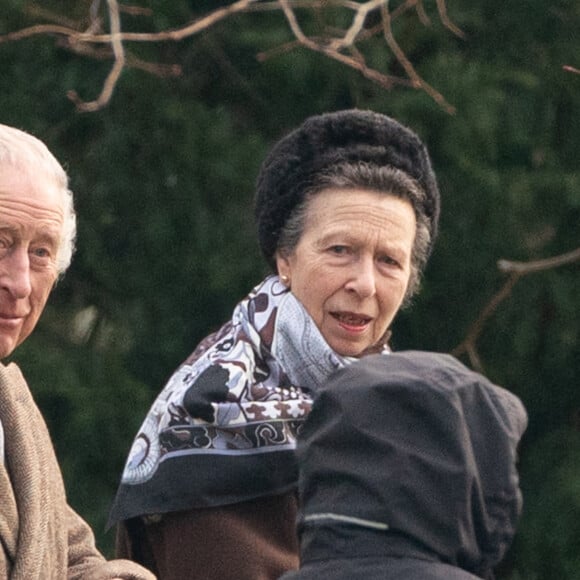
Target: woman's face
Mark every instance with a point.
(352, 264)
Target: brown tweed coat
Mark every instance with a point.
(41, 537)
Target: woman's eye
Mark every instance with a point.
(388, 260)
(339, 250)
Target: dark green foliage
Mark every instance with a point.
(164, 181)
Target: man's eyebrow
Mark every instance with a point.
(43, 234)
(48, 235)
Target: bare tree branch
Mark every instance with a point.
(516, 270)
(173, 34)
(422, 15)
(469, 343)
(41, 12)
(339, 45)
(385, 81)
(442, 8)
(176, 34)
(361, 12)
(39, 29)
(417, 81)
(113, 77)
(539, 265)
(136, 10)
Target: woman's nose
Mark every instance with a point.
(362, 278)
(15, 273)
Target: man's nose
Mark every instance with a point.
(362, 278)
(15, 273)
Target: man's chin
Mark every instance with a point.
(7, 346)
(5, 351)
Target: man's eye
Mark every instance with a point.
(339, 250)
(4, 245)
(41, 253)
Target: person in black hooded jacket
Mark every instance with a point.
(408, 471)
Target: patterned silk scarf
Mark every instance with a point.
(223, 430)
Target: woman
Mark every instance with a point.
(347, 208)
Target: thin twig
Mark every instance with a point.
(136, 10)
(569, 68)
(358, 22)
(385, 81)
(333, 46)
(118, 66)
(516, 270)
(416, 80)
(277, 51)
(396, 13)
(40, 12)
(469, 343)
(176, 34)
(402, 8)
(442, 9)
(157, 69)
(422, 14)
(154, 68)
(539, 265)
(307, 4)
(40, 29)
(173, 34)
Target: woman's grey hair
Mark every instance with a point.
(382, 179)
(23, 152)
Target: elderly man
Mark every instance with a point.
(42, 538)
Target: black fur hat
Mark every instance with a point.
(323, 141)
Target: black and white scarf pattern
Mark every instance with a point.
(223, 430)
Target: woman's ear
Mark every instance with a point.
(283, 267)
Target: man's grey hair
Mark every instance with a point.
(23, 152)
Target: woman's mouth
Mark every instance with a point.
(351, 320)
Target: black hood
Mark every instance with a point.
(411, 454)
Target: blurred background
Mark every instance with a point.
(164, 177)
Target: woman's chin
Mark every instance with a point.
(344, 348)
